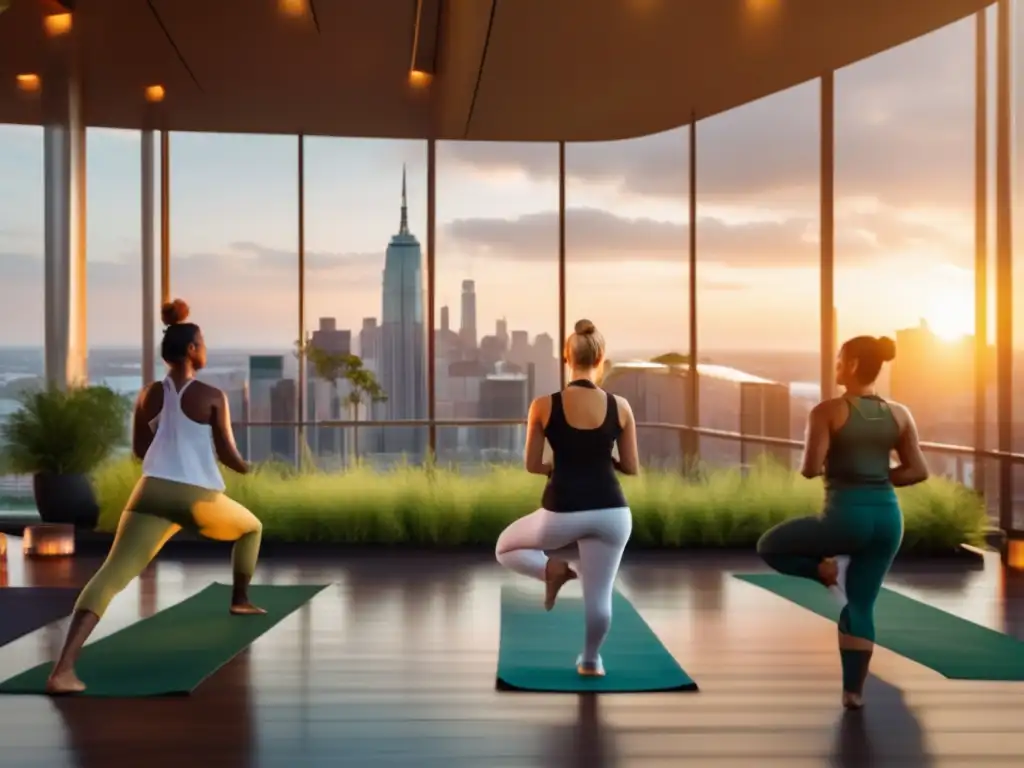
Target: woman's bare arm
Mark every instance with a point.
(534, 455)
(147, 407)
(224, 436)
(629, 453)
(913, 467)
(816, 440)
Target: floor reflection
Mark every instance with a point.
(395, 663)
(212, 727)
(886, 732)
(586, 743)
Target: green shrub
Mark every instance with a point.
(60, 431)
(435, 506)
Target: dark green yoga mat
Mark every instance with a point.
(954, 647)
(538, 649)
(174, 650)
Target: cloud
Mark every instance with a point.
(244, 293)
(598, 235)
(240, 272)
(356, 265)
(904, 132)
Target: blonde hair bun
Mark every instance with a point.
(585, 328)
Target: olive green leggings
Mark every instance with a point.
(156, 511)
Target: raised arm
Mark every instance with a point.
(540, 409)
(816, 440)
(913, 468)
(224, 436)
(629, 454)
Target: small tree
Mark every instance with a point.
(363, 388)
(335, 367)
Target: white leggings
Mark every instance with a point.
(594, 539)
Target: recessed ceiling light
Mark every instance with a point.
(154, 93)
(28, 82)
(293, 7)
(57, 24)
(419, 79)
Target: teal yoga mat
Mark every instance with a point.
(538, 650)
(954, 647)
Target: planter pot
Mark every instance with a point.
(65, 499)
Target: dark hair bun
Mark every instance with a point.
(584, 328)
(174, 312)
(886, 348)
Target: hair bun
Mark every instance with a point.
(584, 328)
(174, 312)
(886, 348)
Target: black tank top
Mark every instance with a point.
(583, 476)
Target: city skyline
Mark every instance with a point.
(904, 223)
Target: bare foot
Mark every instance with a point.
(852, 701)
(556, 573)
(246, 609)
(64, 682)
(828, 571)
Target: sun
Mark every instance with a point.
(950, 315)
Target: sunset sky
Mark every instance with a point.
(904, 225)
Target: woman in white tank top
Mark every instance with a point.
(181, 428)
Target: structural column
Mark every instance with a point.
(165, 216)
(65, 209)
(148, 260)
(431, 297)
(981, 357)
(692, 451)
(1004, 261)
(827, 218)
(562, 330)
(300, 396)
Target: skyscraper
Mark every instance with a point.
(403, 342)
(467, 329)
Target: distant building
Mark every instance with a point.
(659, 393)
(503, 396)
(271, 398)
(403, 374)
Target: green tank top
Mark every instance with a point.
(859, 451)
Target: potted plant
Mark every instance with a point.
(59, 437)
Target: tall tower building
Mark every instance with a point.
(501, 331)
(402, 360)
(468, 328)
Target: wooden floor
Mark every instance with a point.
(393, 665)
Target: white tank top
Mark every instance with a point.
(182, 449)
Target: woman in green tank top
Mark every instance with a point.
(850, 546)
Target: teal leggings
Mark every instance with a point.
(864, 523)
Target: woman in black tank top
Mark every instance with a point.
(584, 518)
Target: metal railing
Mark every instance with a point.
(946, 449)
(999, 497)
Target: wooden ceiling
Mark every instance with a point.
(506, 70)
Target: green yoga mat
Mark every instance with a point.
(538, 650)
(174, 650)
(954, 647)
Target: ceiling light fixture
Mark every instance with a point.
(154, 94)
(29, 83)
(57, 24)
(293, 8)
(424, 42)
